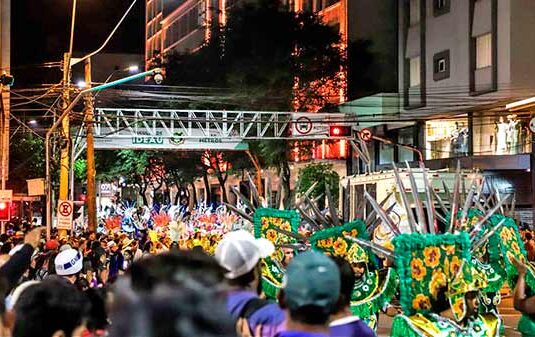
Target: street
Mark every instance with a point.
(508, 313)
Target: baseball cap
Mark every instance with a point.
(311, 279)
(239, 252)
(68, 262)
(52, 244)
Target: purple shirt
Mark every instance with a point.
(300, 334)
(350, 326)
(270, 316)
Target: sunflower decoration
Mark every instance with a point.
(340, 247)
(421, 302)
(505, 244)
(431, 256)
(334, 241)
(418, 270)
(468, 279)
(272, 224)
(425, 263)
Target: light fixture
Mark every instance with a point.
(133, 69)
(81, 84)
(32, 121)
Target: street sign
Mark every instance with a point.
(143, 140)
(303, 125)
(6, 195)
(532, 125)
(65, 209)
(366, 135)
(36, 186)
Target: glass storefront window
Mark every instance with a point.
(405, 136)
(500, 135)
(446, 138)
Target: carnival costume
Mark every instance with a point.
(375, 289)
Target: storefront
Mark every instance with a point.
(447, 138)
(500, 134)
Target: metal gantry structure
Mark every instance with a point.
(195, 124)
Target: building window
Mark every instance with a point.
(441, 7)
(414, 74)
(441, 65)
(414, 12)
(484, 51)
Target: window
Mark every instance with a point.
(414, 75)
(414, 12)
(441, 65)
(441, 7)
(483, 51)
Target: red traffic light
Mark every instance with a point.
(5, 211)
(339, 131)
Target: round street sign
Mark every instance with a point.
(366, 135)
(532, 125)
(303, 125)
(65, 208)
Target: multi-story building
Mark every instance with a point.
(460, 62)
(180, 25)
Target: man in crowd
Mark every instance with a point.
(50, 309)
(68, 264)
(310, 295)
(343, 322)
(240, 254)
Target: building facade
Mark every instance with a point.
(460, 63)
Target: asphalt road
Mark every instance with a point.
(508, 313)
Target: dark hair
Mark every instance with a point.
(172, 267)
(529, 236)
(440, 303)
(347, 278)
(51, 268)
(98, 317)
(47, 307)
(310, 315)
(163, 314)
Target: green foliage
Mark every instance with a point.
(26, 159)
(80, 169)
(323, 174)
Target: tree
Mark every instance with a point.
(26, 159)
(270, 59)
(323, 174)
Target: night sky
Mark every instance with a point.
(40, 33)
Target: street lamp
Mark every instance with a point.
(131, 69)
(65, 113)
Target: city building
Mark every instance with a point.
(460, 63)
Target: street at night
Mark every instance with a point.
(267, 168)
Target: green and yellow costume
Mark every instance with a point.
(266, 221)
(375, 289)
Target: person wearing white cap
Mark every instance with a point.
(68, 264)
(241, 255)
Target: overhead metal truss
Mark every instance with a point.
(195, 124)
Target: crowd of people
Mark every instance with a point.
(105, 285)
(207, 274)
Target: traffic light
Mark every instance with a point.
(5, 211)
(339, 131)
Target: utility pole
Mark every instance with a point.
(65, 149)
(91, 191)
(4, 146)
